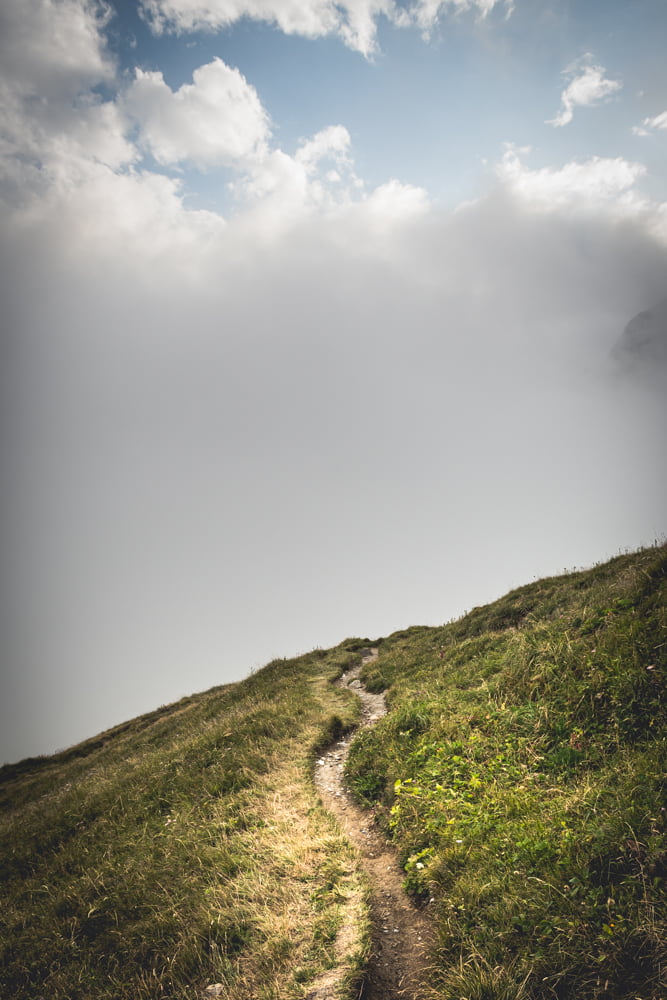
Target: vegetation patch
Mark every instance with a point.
(522, 774)
(182, 849)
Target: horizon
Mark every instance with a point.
(319, 320)
(565, 571)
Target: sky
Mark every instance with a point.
(318, 320)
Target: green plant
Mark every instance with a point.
(521, 775)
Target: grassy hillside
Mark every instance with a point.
(182, 849)
(521, 772)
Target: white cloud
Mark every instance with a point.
(52, 123)
(426, 13)
(396, 202)
(53, 46)
(105, 212)
(68, 159)
(331, 143)
(218, 119)
(588, 87)
(595, 183)
(55, 139)
(358, 24)
(276, 192)
(650, 124)
(98, 133)
(280, 191)
(355, 21)
(602, 187)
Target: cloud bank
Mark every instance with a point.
(334, 410)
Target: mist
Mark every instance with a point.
(227, 449)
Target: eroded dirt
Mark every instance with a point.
(398, 967)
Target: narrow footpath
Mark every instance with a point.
(401, 932)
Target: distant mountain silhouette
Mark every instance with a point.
(644, 339)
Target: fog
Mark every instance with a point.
(224, 445)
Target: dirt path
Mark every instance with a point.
(401, 932)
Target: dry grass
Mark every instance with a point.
(185, 848)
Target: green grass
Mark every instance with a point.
(522, 774)
(182, 849)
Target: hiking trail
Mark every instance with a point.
(401, 932)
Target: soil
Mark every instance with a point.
(402, 932)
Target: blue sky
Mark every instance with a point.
(319, 320)
(433, 111)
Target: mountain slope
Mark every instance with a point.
(520, 771)
(182, 849)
